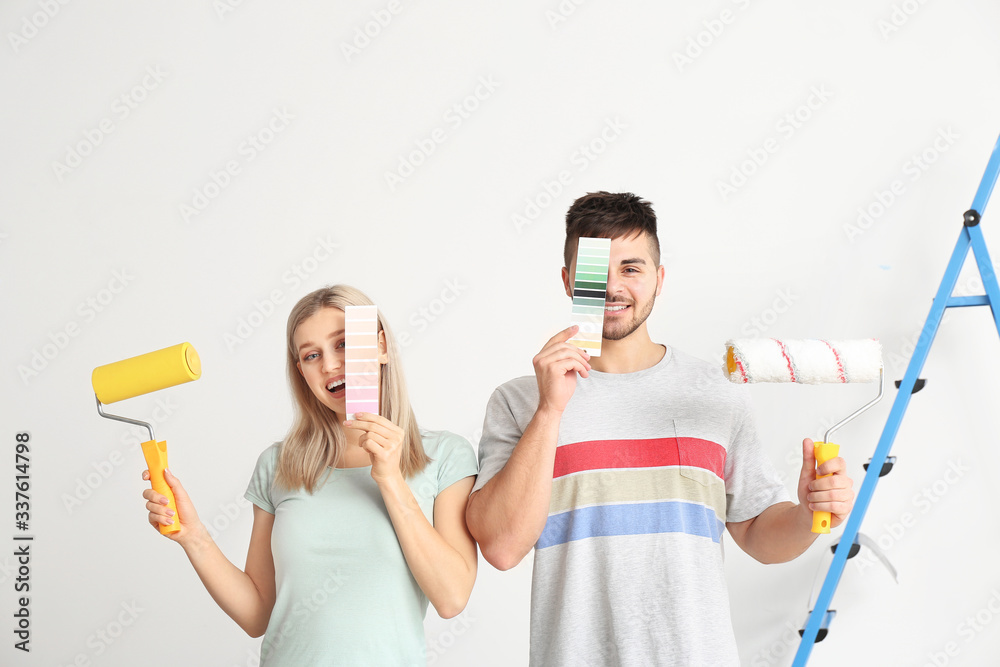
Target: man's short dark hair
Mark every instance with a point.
(610, 215)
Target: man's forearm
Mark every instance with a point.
(508, 514)
(779, 534)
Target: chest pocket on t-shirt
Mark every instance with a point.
(699, 459)
(702, 466)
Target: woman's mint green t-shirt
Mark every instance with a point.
(345, 595)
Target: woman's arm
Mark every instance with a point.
(441, 557)
(247, 597)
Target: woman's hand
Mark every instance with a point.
(383, 441)
(247, 597)
(160, 514)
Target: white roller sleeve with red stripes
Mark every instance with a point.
(804, 361)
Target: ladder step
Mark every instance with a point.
(855, 548)
(917, 386)
(886, 468)
(824, 628)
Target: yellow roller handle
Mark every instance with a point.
(824, 451)
(156, 459)
(145, 373)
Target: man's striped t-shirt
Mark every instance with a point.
(649, 468)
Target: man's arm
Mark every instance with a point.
(783, 531)
(508, 514)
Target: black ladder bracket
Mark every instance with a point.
(917, 386)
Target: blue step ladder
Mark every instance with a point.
(971, 237)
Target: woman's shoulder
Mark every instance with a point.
(451, 457)
(441, 444)
(268, 459)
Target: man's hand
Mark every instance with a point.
(556, 368)
(834, 494)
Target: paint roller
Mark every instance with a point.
(141, 375)
(808, 362)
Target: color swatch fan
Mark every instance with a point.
(361, 333)
(590, 289)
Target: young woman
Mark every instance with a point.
(356, 523)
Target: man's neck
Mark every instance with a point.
(633, 353)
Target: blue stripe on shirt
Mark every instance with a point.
(631, 519)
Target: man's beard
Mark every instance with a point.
(619, 330)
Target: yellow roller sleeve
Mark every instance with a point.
(156, 459)
(823, 451)
(145, 373)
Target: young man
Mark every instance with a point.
(623, 470)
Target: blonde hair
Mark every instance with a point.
(316, 439)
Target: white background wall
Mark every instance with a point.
(100, 245)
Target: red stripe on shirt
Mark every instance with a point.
(654, 452)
